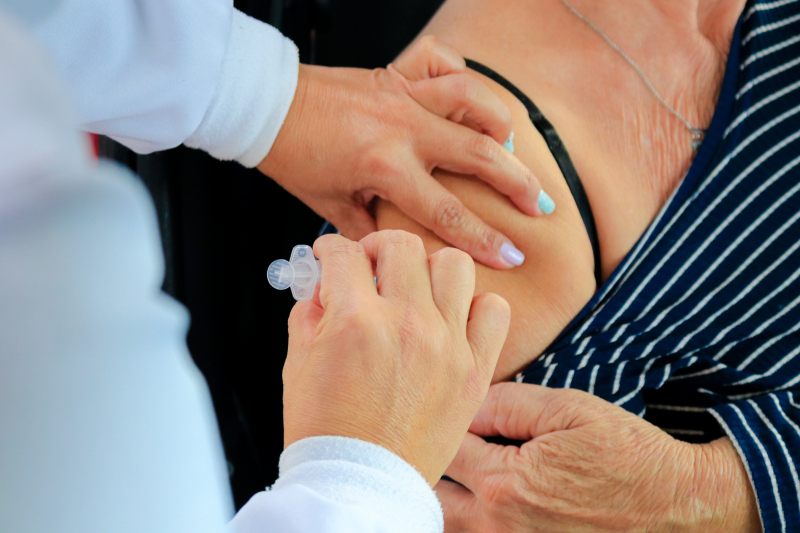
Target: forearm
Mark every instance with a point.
(720, 497)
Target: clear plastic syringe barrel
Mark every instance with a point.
(302, 272)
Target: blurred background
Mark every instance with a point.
(221, 227)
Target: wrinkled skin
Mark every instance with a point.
(588, 466)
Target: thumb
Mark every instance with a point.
(487, 328)
(521, 411)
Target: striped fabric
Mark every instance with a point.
(698, 330)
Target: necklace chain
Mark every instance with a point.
(697, 133)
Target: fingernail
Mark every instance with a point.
(546, 204)
(511, 254)
(509, 145)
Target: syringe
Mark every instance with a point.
(302, 272)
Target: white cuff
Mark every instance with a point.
(355, 472)
(256, 89)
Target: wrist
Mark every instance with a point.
(718, 497)
(313, 99)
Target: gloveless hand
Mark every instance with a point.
(404, 364)
(589, 466)
(354, 134)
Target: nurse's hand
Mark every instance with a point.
(404, 364)
(354, 134)
(589, 466)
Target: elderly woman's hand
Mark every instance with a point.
(354, 134)
(587, 466)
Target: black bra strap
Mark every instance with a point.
(560, 154)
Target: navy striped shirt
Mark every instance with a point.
(698, 329)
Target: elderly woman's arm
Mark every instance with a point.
(588, 465)
(765, 429)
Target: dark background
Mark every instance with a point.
(222, 225)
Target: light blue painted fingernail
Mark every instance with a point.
(546, 204)
(509, 145)
(511, 254)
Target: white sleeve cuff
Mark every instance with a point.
(354, 472)
(256, 89)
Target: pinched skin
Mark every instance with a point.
(629, 151)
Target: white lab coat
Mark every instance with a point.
(105, 424)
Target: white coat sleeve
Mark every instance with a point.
(106, 423)
(341, 485)
(153, 74)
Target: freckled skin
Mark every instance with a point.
(629, 151)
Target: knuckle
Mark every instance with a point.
(463, 91)
(413, 330)
(428, 44)
(523, 185)
(504, 114)
(357, 319)
(529, 181)
(459, 262)
(487, 240)
(484, 150)
(497, 301)
(352, 323)
(470, 88)
(345, 249)
(379, 166)
(403, 245)
(404, 239)
(448, 213)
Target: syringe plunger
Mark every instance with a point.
(302, 273)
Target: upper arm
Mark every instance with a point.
(557, 278)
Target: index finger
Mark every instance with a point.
(523, 411)
(429, 203)
(346, 270)
(462, 150)
(401, 265)
(479, 464)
